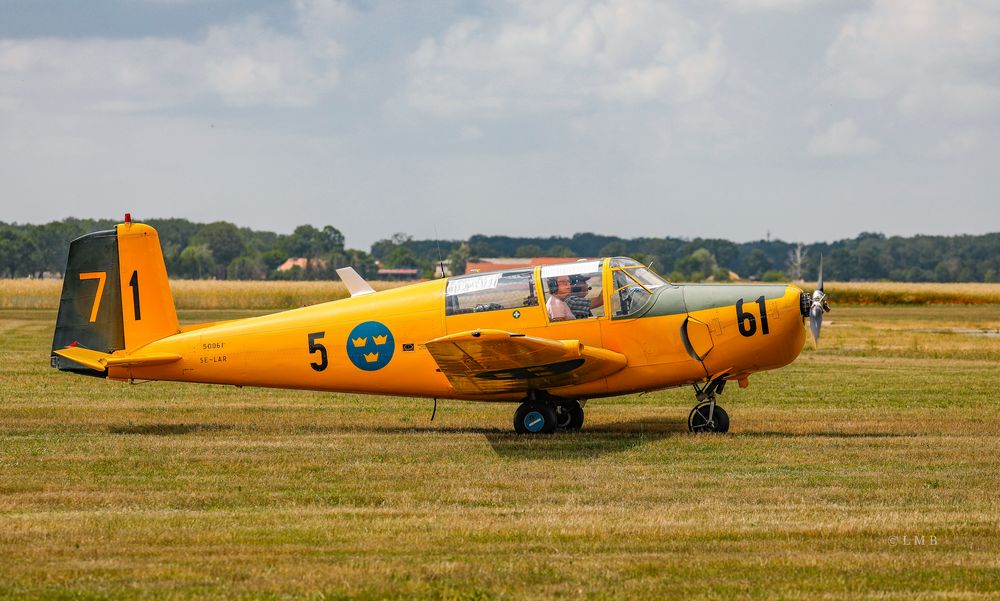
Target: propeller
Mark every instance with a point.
(818, 307)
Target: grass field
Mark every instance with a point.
(869, 468)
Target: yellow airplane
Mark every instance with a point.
(548, 337)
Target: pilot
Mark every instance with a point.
(578, 302)
(559, 290)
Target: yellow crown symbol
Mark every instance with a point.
(371, 357)
(380, 339)
(359, 342)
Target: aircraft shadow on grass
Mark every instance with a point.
(167, 429)
(773, 434)
(593, 441)
(621, 435)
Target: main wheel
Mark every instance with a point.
(698, 419)
(534, 417)
(569, 415)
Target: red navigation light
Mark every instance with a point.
(128, 217)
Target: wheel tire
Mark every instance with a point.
(698, 419)
(534, 417)
(569, 416)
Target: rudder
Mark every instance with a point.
(148, 311)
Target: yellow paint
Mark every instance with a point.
(464, 357)
(100, 276)
(98, 360)
(143, 273)
(418, 350)
(699, 337)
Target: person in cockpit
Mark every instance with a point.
(560, 289)
(578, 301)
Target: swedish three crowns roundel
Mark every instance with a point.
(370, 346)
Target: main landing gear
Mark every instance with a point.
(544, 414)
(706, 415)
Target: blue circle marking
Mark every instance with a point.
(370, 346)
(534, 421)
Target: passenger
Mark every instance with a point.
(559, 289)
(578, 302)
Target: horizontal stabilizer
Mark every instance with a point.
(494, 361)
(99, 361)
(356, 284)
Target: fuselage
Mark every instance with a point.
(374, 343)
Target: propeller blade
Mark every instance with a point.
(815, 322)
(818, 307)
(819, 285)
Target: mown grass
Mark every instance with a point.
(834, 465)
(259, 295)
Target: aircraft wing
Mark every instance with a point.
(494, 361)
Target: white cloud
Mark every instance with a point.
(471, 132)
(651, 104)
(959, 143)
(926, 55)
(786, 5)
(320, 19)
(566, 56)
(244, 64)
(965, 99)
(842, 139)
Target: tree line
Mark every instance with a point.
(223, 250)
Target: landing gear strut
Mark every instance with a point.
(541, 413)
(706, 415)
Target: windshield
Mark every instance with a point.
(634, 285)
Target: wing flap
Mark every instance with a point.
(494, 361)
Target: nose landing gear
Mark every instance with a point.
(706, 415)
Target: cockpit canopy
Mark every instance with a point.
(570, 290)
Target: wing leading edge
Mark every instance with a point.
(494, 361)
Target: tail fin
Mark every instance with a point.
(115, 294)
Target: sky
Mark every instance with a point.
(803, 120)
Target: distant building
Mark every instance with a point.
(442, 268)
(504, 263)
(301, 263)
(398, 274)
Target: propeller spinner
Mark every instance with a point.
(818, 307)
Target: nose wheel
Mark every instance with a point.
(706, 415)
